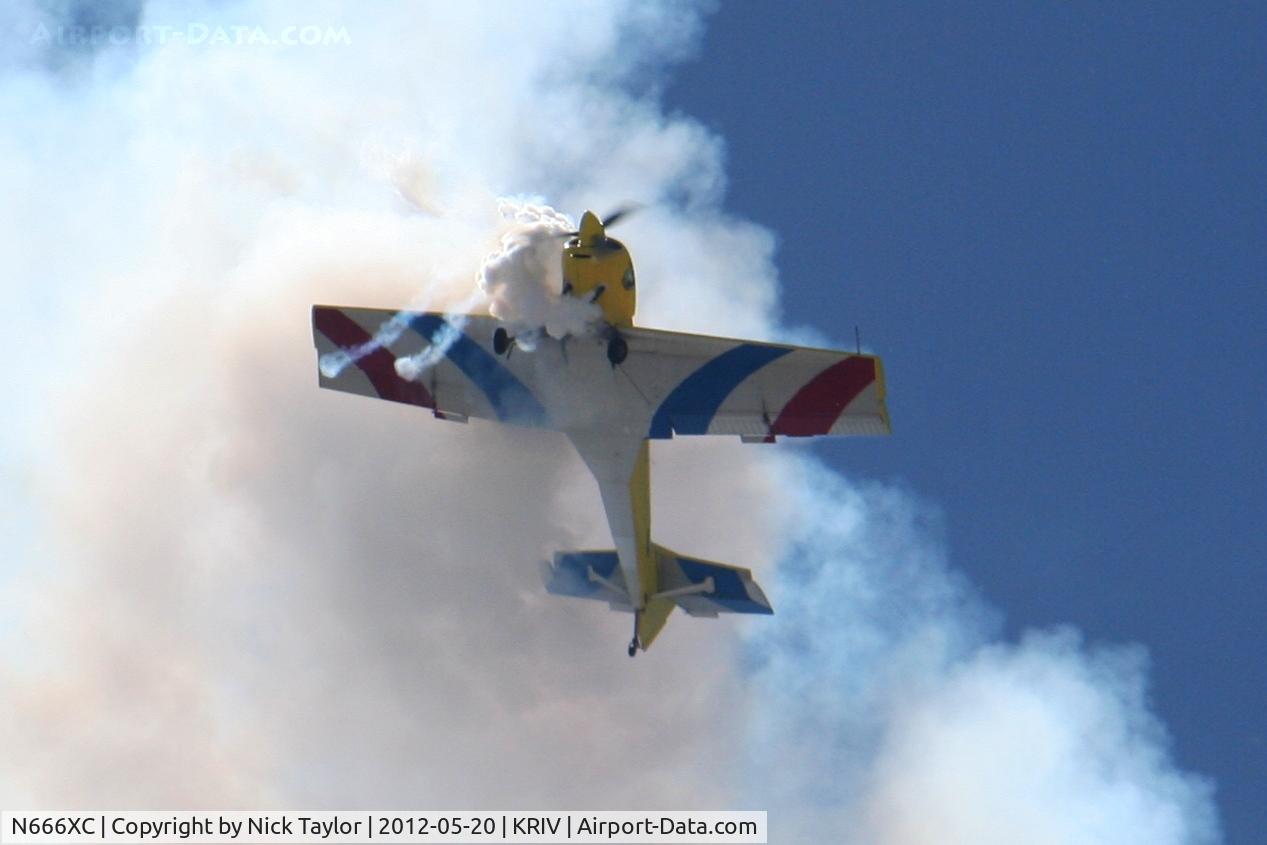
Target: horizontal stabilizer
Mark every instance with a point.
(589, 575)
(705, 588)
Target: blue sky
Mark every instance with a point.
(1050, 221)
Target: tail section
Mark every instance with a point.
(700, 587)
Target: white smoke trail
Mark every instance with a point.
(236, 590)
(412, 367)
(333, 363)
(521, 284)
(524, 278)
(932, 729)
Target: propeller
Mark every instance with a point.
(609, 220)
(623, 211)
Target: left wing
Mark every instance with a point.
(437, 361)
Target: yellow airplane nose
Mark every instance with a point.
(591, 228)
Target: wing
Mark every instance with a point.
(669, 383)
(755, 390)
(441, 362)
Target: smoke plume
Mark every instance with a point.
(224, 587)
(524, 279)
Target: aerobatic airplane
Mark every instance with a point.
(611, 391)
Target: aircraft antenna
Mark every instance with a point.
(635, 386)
(857, 338)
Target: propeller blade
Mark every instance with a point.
(610, 220)
(617, 214)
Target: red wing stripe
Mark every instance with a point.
(815, 408)
(379, 366)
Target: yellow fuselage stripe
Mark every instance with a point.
(656, 611)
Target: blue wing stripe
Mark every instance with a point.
(728, 587)
(690, 408)
(511, 401)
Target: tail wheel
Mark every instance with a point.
(633, 647)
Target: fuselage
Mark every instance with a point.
(599, 269)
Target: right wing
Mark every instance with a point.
(756, 390)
